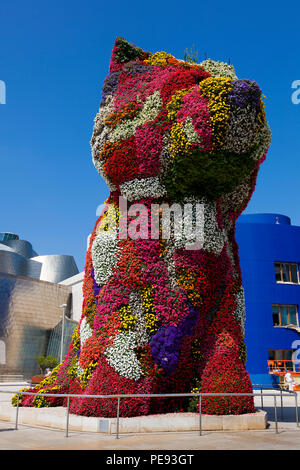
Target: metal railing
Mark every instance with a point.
(279, 390)
(200, 395)
(281, 366)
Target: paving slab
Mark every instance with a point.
(32, 437)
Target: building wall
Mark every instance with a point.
(16, 264)
(76, 284)
(56, 268)
(17, 257)
(29, 310)
(264, 239)
(22, 247)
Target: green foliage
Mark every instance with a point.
(90, 311)
(193, 405)
(243, 353)
(125, 51)
(191, 55)
(212, 176)
(47, 361)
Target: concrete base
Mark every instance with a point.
(179, 422)
(172, 422)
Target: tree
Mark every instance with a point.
(46, 361)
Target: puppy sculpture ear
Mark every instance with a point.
(123, 52)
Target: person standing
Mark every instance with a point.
(289, 380)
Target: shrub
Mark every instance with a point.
(47, 361)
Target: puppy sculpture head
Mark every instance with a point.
(170, 128)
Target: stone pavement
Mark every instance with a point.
(29, 437)
(33, 438)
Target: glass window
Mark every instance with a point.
(277, 272)
(275, 311)
(294, 273)
(5, 236)
(280, 354)
(288, 353)
(282, 360)
(293, 315)
(285, 315)
(276, 321)
(286, 272)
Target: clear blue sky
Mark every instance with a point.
(54, 57)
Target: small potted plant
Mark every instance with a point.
(46, 364)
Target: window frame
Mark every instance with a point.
(289, 325)
(289, 264)
(283, 352)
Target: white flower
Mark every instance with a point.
(261, 141)
(184, 223)
(104, 256)
(123, 131)
(121, 356)
(142, 188)
(241, 130)
(219, 69)
(100, 136)
(104, 111)
(189, 130)
(80, 370)
(235, 200)
(85, 331)
(239, 312)
(149, 112)
(165, 156)
(214, 237)
(142, 336)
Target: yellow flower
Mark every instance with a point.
(86, 375)
(127, 317)
(216, 89)
(149, 309)
(159, 58)
(110, 220)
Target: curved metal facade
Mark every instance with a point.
(56, 268)
(13, 263)
(29, 310)
(29, 307)
(17, 257)
(22, 247)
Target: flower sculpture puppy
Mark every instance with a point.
(163, 311)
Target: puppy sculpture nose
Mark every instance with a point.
(244, 93)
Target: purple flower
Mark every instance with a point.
(244, 93)
(110, 84)
(96, 288)
(135, 68)
(165, 344)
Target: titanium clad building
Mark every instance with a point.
(30, 300)
(18, 257)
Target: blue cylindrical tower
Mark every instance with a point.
(269, 250)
